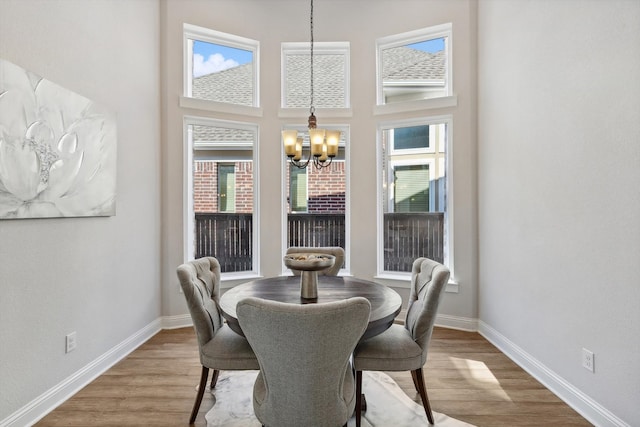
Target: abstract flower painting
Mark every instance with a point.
(57, 150)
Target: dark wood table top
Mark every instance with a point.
(385, 302)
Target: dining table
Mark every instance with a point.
(385, 302)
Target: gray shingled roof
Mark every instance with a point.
(404, 63)
(328, 85)
(208, 134)
(235, 85)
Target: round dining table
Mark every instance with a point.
(385, 302)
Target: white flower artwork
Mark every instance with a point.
(57, 150)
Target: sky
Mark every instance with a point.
(211, 58)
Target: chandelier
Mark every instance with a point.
(323, 143)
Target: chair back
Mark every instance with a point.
(200, 282)
(428, 280)
(304, 354)
(336, 251)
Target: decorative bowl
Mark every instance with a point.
(309, 261)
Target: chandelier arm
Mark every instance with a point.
(321, 165)
(299, 164)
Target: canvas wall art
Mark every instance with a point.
(57, 150)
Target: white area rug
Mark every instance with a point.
(387, 404)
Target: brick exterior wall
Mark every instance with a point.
(205, 186)
(326, 187)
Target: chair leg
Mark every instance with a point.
(422, 390)
(358, 398)
(415, 382)
(214, 378)
(201, 387)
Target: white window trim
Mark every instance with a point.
(402, 39)
(187, 202)
(284, 244)
(319, 48)
(191, 32)
(405, 278)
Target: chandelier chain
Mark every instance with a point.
(311, 107)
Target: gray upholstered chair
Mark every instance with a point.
(304, 351)
(404, 348)
(336, 251)
(220, 347)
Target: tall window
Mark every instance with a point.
(223, 189)
(414, 65)
(220, 67)
(316, 201)
(413, 188)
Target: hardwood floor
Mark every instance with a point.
(467, 378)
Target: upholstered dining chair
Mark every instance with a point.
(404, 347)
(336, 251)
(304, 351)
(220, 348)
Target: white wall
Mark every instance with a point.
(99, 277)
(359, 22)
(559, 198)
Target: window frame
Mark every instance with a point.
(188, 205)
(448, 251)
(403, 39)
(193, 32)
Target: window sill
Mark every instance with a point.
(423, 104)
(220, 107)
(452, 287)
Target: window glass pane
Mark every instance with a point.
(322, 221)
(220, 67)
(330, 79)
(222, 73)
(223, 182)
(411, 137)
(414, 194)
(415, 65)
(414, 71)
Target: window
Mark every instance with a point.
(221, 182)
(220, 67)
(317, 200)
(415, 65)
(413, 188)
(330, 75)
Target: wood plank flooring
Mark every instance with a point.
(467, 378)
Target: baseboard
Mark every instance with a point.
(583, 404)
(455, 322)
(175, 322)
(54, 397)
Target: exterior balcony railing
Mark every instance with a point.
(407, 236)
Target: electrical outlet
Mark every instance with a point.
(71, 343)
(588, 360)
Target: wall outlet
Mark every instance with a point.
(71, 343)
(588, 360)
